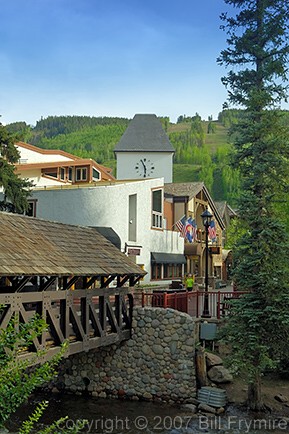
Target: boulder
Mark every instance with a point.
(213, 360)
(190, 407)
(220, 374)
(281, 398)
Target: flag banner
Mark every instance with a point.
(212, 231)
(191, 230)
(181, 226)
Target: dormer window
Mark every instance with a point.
(70, 174)
(95, 174)
(81, 174)
(52, 173)
(62, 173)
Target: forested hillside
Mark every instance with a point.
(202, 147)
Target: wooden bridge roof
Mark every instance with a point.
(30, 246)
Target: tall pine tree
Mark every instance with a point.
(15, 189)
(257, 56)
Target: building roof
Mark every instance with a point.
(47, 151)
(177, 189)
(223, 206)
(144, 133)
(190, 190)
(30, 246)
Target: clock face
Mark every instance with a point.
(144, 168)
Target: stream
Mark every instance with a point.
(136, 417)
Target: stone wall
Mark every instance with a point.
(157, 363)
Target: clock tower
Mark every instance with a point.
(144, 150)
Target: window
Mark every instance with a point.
(31, 211)
(157, 208)
(70, 174)
(62, 173)
(172, 271)
(52, 173)
(95, 174)
(156, 272)
(166, 271)
(81, 174)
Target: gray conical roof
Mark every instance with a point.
(144, 133)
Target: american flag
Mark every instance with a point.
(181, 226)
(212, 231)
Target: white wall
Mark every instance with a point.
(37, 157)
(38, 180)
(108, 205)
(127, 161)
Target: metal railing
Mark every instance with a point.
(192, 302)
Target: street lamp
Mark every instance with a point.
(207, 218)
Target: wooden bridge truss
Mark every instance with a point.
(85, 318)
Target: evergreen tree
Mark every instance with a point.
(15, 189)
(257, 52)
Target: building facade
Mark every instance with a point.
(133, 209)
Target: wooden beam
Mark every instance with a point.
(106, 281)
(98, 330)
(44, 285)
(67, 284)
(111, 317)
(76, 324)
(133, 280)
(89, 282)
(20, 283)
(121, 280)
(102, 313)
(52, 320)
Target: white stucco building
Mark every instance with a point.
(133, 209)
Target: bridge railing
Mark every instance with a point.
(192, 302)
(85, 318)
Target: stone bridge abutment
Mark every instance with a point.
(157, 363)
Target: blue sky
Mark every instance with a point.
(110, 58)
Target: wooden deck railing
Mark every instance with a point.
(192, 302)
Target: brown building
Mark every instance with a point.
(191, 199)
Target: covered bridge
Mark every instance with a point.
(72, 276)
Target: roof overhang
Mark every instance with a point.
(167, 258)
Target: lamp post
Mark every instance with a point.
(207, 218)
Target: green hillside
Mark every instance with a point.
(202, 154)
(202, 147)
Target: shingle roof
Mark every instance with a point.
(144, 133)
(30, 246)
(190, 189)
(222, 206)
